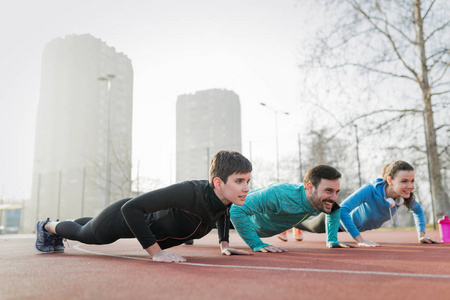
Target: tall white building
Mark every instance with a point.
(85, 101)
(207, 122)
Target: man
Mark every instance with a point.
(274, 209)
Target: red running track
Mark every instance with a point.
(400, 269)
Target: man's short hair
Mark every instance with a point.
(226, 163)
(319, 172)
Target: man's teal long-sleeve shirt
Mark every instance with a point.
(274, 209)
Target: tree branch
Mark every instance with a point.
(437, 30)
(413, 147)
(441, 54)
(376, 70)
(398, 30)
(351, 122)
(326, 110)
(389, 37)
(428, 10)
(444, 70)
(440, 93)
(446, 84)
(386, 124)
(443, 151)
(442, 126)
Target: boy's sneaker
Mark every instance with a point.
(58, 243)
(283, 236)
(43, 242)
(297, 234)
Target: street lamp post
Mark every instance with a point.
(276, 135)
(108, 79)
(357, 155)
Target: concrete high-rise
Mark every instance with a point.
(207, 122)
(83, 130)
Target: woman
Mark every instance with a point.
(377, 202)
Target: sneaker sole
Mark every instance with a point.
(35, 243)
(283, 239)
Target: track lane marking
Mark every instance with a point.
(418, 275)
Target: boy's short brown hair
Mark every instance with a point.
(226, 163)
(319, 172)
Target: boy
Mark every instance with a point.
(272, 210)
(165, 217)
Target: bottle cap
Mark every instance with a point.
(445, 220)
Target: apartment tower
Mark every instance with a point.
(207, 122)
(82, 158)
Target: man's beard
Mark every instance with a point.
(316, 200)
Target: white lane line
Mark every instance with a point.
(441, 276)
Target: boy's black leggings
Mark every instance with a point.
(106, 228)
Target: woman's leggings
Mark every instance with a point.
(106, 228)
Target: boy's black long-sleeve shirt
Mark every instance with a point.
(177, 213)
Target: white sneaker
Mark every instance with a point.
(297, 234)
(283, 236)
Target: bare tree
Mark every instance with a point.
(387, 42)
(120, 181)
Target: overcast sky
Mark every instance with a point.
(176, 47)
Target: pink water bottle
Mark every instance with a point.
(444, 229)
